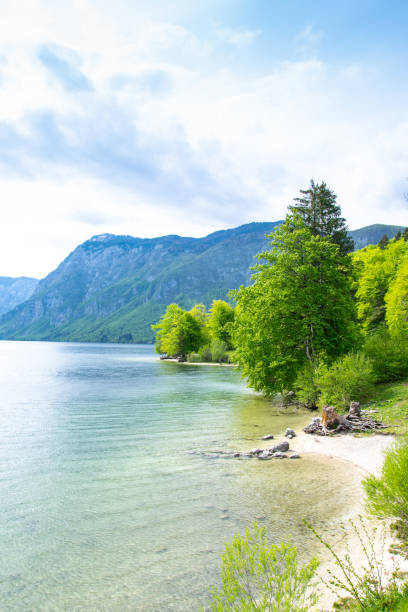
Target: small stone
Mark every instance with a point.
(294, 456)
(281, 447)
(256, 451)
(290, 433)
(279, 455)
(224, 517)
(264, 455)
(267, 437)
(236, 455)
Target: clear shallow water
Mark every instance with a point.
(108, 500)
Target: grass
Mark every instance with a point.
(391, 402)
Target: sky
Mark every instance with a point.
(185, 117)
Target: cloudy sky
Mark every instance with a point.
(187, 116)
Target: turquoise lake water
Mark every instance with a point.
(112, 495)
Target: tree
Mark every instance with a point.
(220, 322)
(299, 306)
(178, 332)
(398, 235)
(383, 242)
(320, 212)
(405, 234)
(257, 576)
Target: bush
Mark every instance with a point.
(387, 495)
(193, 357)
(219, 351)
(349, 378)
(307, 389)
(205, 354)
(363, 585)
(258, 576)
(389, 355)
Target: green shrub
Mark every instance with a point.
(350, 378)
(193, 357)
(257, 576)
(389, 355)
(364, 586)
(205, 354)
(387, 495)
(306, 386)
(219, 351)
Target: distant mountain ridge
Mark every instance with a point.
(112, 288)
(14, 291)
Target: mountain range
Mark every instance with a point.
(112, 288)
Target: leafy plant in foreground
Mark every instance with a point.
(257, 576)
(387, 495)
(363, 585)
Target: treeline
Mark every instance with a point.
(196, 335)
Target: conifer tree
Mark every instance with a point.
(383, 242)
(319, 211)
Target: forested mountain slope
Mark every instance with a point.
(112, 288)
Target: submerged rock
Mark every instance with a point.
(294, 456)
(281, 447)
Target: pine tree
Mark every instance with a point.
(398, 236)
(383, 242)
(405, 234)
(320, 213)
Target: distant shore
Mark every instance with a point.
(200, 363)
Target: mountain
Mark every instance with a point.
(112, 288)
(373, 234)
(14, 291)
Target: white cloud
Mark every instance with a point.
(219, 147)
(236, 36)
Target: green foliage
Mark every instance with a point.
(366, 584)
(299, 305)
(387, 495)
(396, 300)
(388, 354)
(349, 378)
(375, 273)
(320, 212)
(383, 242)
(205, 354)
(219, 351)
(179, 332)
(306, 386)
(220, 322)
(257, 576)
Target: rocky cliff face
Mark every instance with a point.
(14, 291)
(112, 288)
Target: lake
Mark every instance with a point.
(112, 494)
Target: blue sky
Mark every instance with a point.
(149, 118)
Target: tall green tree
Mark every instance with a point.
(319, 211)
(220, 321)
(179, 332)
(299, 306)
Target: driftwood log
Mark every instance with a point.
(331, 422)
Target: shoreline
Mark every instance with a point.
(199, 363)
(365, 454)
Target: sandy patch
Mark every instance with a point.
(364, 453)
